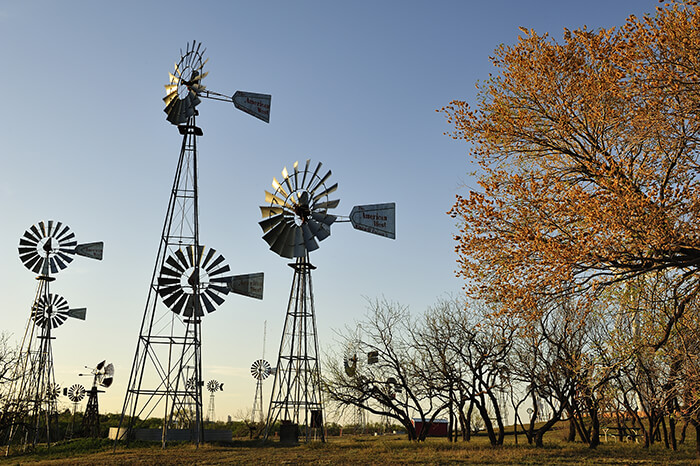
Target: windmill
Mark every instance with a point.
(359, 419)
(295, 219)
(189, 280)
(75, 394)
(102, 376)
(213, 386)
(260, 370)
(45, 249)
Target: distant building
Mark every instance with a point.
(437, 429)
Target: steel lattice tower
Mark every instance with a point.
(30, 409)
(295, 219)
(296, 391)
(257, 414)
(211, 416)
(170, 345)
(91, 416)
(188, 279)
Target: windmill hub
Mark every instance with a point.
(302, 211)
(47, 246)
(192, 280)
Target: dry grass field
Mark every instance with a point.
(389, 449)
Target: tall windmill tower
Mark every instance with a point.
(294, 220)
(189, 280)
(45, 249)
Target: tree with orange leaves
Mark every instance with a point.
(588, 162)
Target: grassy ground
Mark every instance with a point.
(389, 449)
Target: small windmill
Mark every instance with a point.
(260, 370)
(189, 281)
(295, 219)
(102, 376)
(45, 249)
(75, 394)
(359, 419)
(213, 386)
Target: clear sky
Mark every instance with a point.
(354, 84)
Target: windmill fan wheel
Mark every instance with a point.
(50, 311)
(53, 391)
(47, 246)
(190, 384)
(185, 85)
(296, 216)
(260, 369)
(76, 393)
(104, 374)
(192, 282)
(213, 386)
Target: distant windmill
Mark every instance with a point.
(45, 249)
(75, 394)
(213, 386)
(359, 419)
(102, 376)
(260, 370)
(295, 219)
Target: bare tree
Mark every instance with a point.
(548, 370)
(387, 376)
(9, 358)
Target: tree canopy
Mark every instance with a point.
(588, 160)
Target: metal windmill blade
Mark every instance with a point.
(190, 384)
(297, 215)
(50, 311)
(53, 392)
(184, 89)
(75, 393)
(214, 386)
(185, 85)
(105, 376)
(48, 247)
(260, 369)
(178, 281)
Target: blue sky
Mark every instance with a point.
(354, 85)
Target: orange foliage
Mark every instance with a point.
(588, 156)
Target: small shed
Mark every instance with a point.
(437, 429)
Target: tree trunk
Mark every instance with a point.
(488, 425)
(410, 429)
(595, 426)
(468, 422)
(685, 427)
(665, 433)
(539, 434)
(696, 425)
(572, 429)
